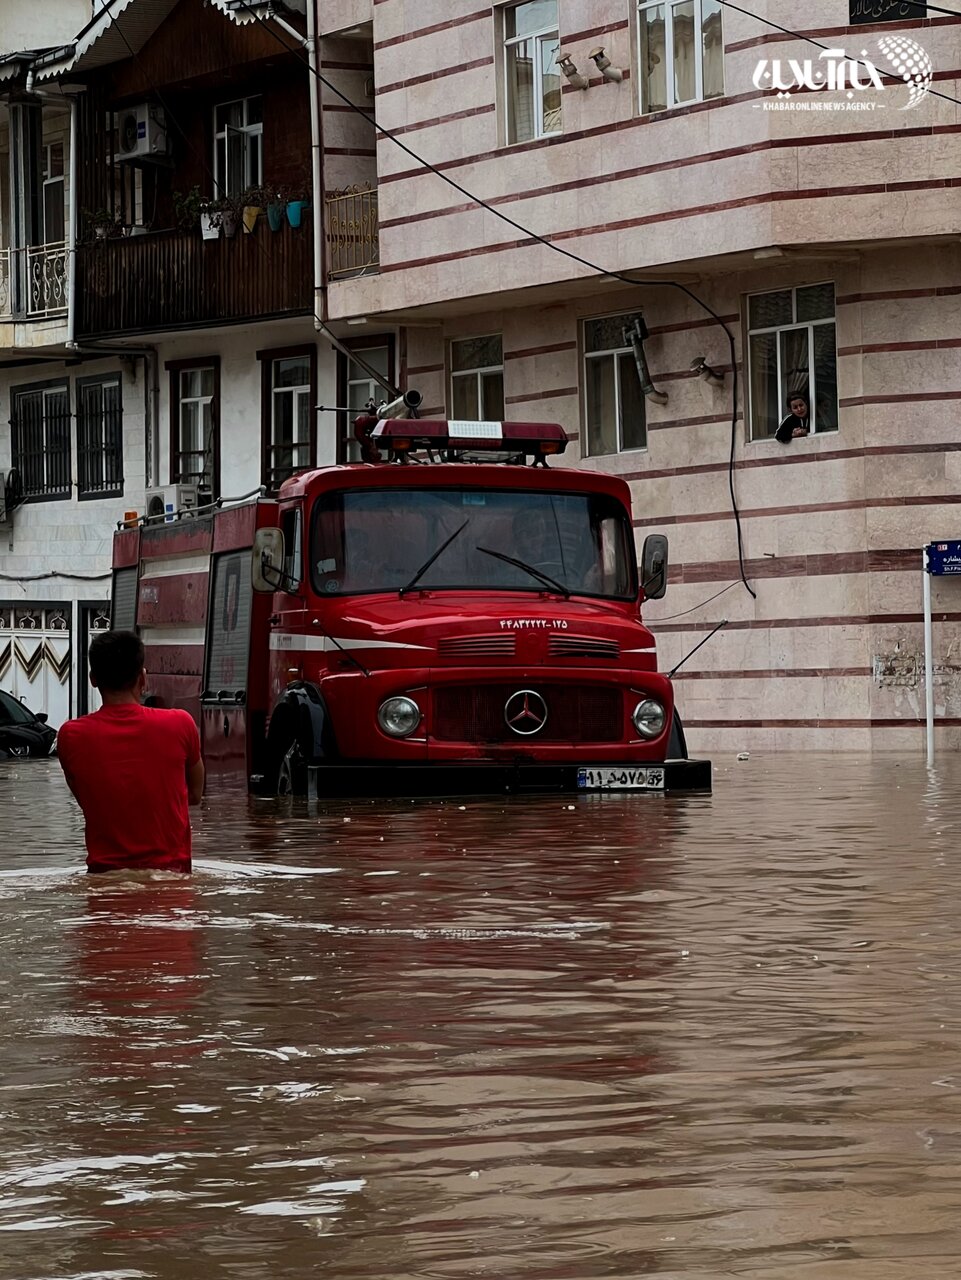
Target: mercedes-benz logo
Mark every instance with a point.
(525, 712)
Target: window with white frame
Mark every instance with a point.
(99, 437)
(238, 145)
(614, 402)
(477, 379)
(53, 193)
(362, 388)
(289, 401)
(532, 82)
(792, 351)
(681, 52)
(194, 418)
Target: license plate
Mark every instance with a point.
(621, 778)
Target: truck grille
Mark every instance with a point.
(501, 645)
(564, 646)
(475, 713)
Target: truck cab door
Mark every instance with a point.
(290, 613)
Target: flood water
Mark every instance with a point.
(553, 1038)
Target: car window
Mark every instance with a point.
(14, 712)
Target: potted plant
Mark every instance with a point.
(252, 202)
(226, 214)
(102, 223)
(276, 203)
(297, 202)
(187, 208)
(211, 216)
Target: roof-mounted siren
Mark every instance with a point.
(463, 441)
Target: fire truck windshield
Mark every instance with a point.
(372, 540)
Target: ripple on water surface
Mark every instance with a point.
(613, 1036)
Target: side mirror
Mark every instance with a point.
(267, 560)
(41, 716)
(654, 566)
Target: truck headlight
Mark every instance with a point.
(649, 718)
(398, 717)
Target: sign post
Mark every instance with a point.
(938, 559)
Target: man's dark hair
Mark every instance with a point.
(116, 660)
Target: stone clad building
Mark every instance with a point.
(827, 242)
(817, 230)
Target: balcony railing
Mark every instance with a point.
(33, 282)
(352, 240)
(46, 279)
(6, 293)
(175, 279)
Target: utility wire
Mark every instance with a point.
(862, 62)
(671, 616)
(567, 253)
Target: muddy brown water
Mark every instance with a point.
(564, 1037)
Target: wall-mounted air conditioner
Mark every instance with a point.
(141, 132)
(171, 500)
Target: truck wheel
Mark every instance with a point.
(292, 774)
(677, 744)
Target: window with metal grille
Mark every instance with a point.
(194, 422)
(289, 396)
(99, 437)
(40, 425)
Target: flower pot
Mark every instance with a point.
(230, 221)
(295, 212)
(101, 232)
(275, 216)
(136, 230)
(209, 229)
(251, 213)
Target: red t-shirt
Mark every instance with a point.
(127, 767)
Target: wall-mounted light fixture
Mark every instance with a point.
(603, 64)
(566, 64)
(704, 371)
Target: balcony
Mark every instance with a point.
(175, 279)
(352, 240)
(33, 282)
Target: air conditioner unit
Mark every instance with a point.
(141, 132)
(171, 500)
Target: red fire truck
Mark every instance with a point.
(445, 618)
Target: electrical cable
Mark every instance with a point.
(671, 616)
(799, 35)
(567, 253)
(40, 577)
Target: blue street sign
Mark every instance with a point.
(944, 558)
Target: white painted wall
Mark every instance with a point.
(25, 24)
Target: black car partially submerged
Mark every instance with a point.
(21, 732)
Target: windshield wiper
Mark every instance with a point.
(535, 573)
(436, 556)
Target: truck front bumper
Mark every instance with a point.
(332, 781)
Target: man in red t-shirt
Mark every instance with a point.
(133, 769)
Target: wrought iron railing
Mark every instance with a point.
(6, 289)
(352, 240)
(46, 286)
